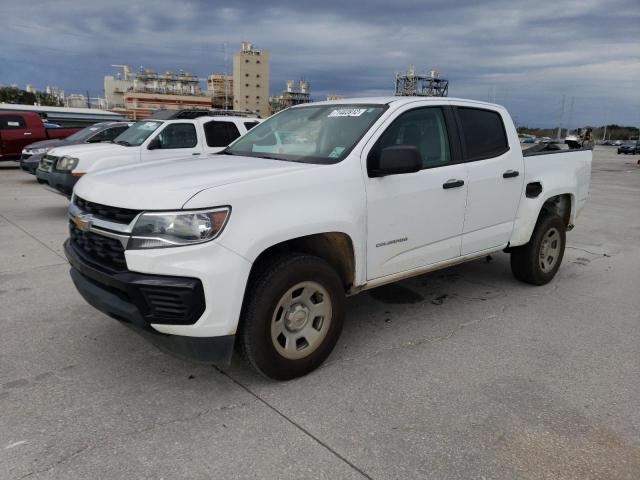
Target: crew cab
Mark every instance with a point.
(18, 129)
(165, 135)
(259, 247)
(97, 133)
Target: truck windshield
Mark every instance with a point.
(82, 135)
(137, 133)
(321, 134)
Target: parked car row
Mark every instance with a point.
(58, 164)
(100, 132)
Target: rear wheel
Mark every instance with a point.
(292, 316)
(538, 261)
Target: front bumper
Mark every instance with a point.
(30, 163)
(60, 182)
(132, 298)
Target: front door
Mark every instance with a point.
(416, 219)
(175, 140)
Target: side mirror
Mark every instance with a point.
(154, 144)
(396, 160)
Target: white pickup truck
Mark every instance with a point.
(166, 134)
(260, 247)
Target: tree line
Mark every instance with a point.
(613, 132)
(22, 97)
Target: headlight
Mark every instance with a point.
(67, 163)
(173, 229)
(35, 151)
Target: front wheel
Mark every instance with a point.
(292, 316)
(538, 261)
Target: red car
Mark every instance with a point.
(19, 129)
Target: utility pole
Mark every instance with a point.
(570, 120)
(88, 100)
(226, 82)
(561, 117)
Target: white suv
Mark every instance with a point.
(145, 141)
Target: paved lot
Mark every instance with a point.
(463, 373)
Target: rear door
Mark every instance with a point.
(14, 135)
(496, 175)
(218, 134)
(416, 219)
(175, 140)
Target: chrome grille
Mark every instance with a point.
(47, 163)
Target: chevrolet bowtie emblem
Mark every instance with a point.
(83, 222)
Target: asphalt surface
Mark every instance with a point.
(459, 374)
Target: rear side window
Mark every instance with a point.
(220, 134)
(250, 125)
(9, 122)
(483, 132)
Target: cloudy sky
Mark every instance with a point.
(525, 55)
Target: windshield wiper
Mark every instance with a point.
(123, 142)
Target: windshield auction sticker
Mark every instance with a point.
(347, 112)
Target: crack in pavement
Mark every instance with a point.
(296, 425)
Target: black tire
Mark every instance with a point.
(526, 262)
(269, 285)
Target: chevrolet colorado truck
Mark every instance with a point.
(168, 134)
(18, 129)
(97, 133)
(260, 248)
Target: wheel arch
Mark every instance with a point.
(334, 247)
(561, 204)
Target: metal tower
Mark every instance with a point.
(421, 85)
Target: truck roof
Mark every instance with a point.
(205, 119)
(395, 100)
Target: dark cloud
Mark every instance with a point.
(523, 54)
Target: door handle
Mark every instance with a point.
(453, 183)
(195, 153)
(510, 174)
(27, 133)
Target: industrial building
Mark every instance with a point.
(429, 84)
(251, 80)
(220, 89)
(291, 96)
(139, 95)
(76, 100)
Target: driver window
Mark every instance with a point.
(178, 135)
(424, 128)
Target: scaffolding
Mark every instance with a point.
(412, 84)
(291, 97)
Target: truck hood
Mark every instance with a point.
(80, 150)
(169, 184)
(54, 142)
